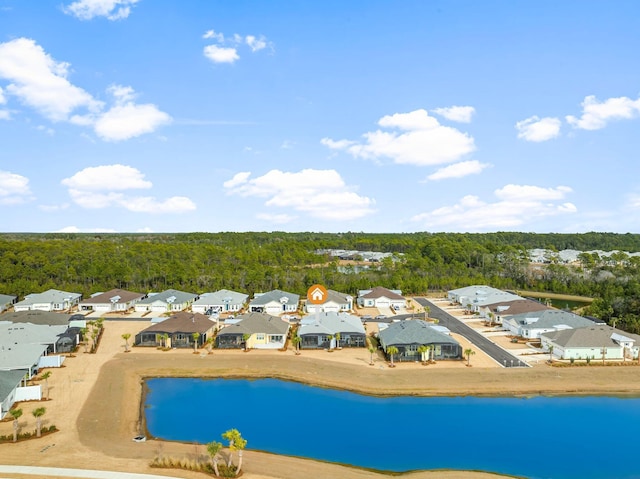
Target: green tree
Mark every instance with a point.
(236, 443)
(126, 337)
(195, 336)
(245, 339)
(550, 353)
(338, 336)
(38, 413)
(296, 340)
(423, 350)
(330, 338)
(214, 448)
(16, 414)
(46, 375)
(392, 351)
(468, 353)
(371, 351)
(209, 344)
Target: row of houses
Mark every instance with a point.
(567, 335)
(275, 302)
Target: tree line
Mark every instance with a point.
(257, 261)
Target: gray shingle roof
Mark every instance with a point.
(550, 319)
(219, 297)
(49, 296)
(18, 334)
(413, 331)
(275, 295)
(252, 323)
(37, 317)
(176, 297)
(331, 323)
(6, 299)
(593, 336)
(9, 380)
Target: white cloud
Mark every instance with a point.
(460, 114)
(130, 120)
(3, 100)
(538, 129)
(108, 177)
(458, 170)
(104, 186)
(5, 115)
(518, 205)
(422, 141)
(287, 144)
(40, 82)
(146, 229)
(277, 219)
(317, 193)
(221, 54)
(633, 201)
(75, 229)
(46, 129)
(225, 50)
(112, 9)
(14, 188)
(53, 208)
(596, 114)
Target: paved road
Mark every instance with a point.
(501, 356)
(77, 473)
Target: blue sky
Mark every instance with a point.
(373, 116)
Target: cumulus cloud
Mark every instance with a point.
(538, 129)
(317, 193)
(41, 83)
(105, 186)
(461, 114)
(459, 170)
(221, 54)
(416, 139)
(596, 114)
(14, 188)
(225, 50)
(3, 100)
(75, 229)
(516, 205)
(111, 9)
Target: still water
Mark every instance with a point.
(555, 438)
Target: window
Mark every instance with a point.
(275, 339)
(260, 337)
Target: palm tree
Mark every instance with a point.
(236, 443)
(209, 344)
(46, 375)
(213, 448)
(85, 335)
(468, 353)
(296, 343)
(551, 353)
(422, 349)
(338, 340)
(15, 413)
(38, 413)
(245, 338)
(126, 337)
(165, 340)
(371, 351)
(427, 310)
(330, 338)
(195, 336)
(391, 351)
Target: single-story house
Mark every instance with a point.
(16, 335)
(9, 383)
(380, 297)
(50, 300)
(336, 302)
(115, 300)
(256, 330)
(6, 301)
(476, 296)
(532, 325)
(222, 301)
(47, 318)
(592, 342)
(274, 302)
(23, 357)
(179, 330)
(409, 335)
(319, 331)
(169, 300)
(510, 308)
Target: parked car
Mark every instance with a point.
(366, 317)
(381, 316)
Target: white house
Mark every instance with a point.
(6, 301)
(9, 383)
(170, 300)
(222, 301)
(532, 325)
(592, 342)
(274, 302)
(115, 300)
(380, 297)
(336, 302)
(50, 300)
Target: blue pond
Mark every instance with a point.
(555, 438)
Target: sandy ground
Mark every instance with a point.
(95, 400)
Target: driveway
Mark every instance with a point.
(455, 325)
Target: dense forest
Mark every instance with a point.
(254, 262)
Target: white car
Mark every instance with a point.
(140, 438)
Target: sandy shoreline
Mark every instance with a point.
(96, 401)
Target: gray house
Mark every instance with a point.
(532, 325)
(222, 301)
(274, 302)
(319, 331)
(9, 383)
(409, 335)
(6, 301)
(254, 331)
(50, 300)
(335, 302)
(178, 331)
(170, 300)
